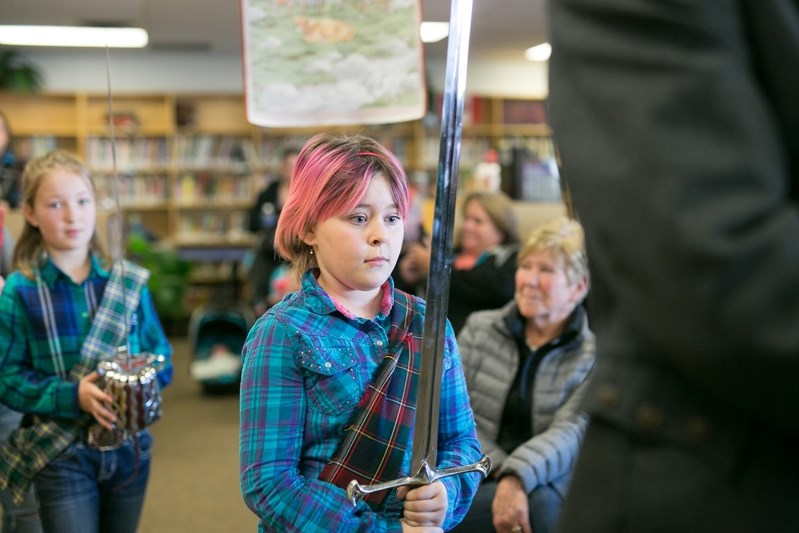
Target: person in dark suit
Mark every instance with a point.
(9, 166)
(262, 221)
(678, 130)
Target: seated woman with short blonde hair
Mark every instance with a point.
(527, 366)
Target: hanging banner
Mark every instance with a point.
(332, 62)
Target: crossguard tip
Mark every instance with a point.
(354, 492)
(483, 465)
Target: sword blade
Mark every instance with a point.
(425, 430)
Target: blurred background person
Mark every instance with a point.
(415, 233)
(7, 243)
(485, 257)
(9, 167)
(267, 278)
(23, 518)
(678, 128)
(527, 366)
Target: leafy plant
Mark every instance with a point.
(169, 275)
(18, 74)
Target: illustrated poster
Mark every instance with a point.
(332, 62)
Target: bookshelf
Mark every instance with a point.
(189, 165)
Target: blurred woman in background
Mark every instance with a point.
(484, 262)
(9, 168)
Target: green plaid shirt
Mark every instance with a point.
(51, 334)
(32, 380)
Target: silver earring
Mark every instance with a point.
(311, 251)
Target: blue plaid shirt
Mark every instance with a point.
(32, 380)
(306, 364)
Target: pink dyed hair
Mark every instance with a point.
(330, 177)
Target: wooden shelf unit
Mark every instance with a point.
(190, 164)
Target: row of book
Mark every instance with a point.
(28, 148)
(214, 151)
(473, 149)
(481, 110)
(133, 189)
(131, 154)
(193, 188)
(541, 147)
(270, 149)
(194, 151)
(209, 187)
(213, 226)
(239, 154)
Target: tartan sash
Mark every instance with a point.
(376, 439)
(31, 448)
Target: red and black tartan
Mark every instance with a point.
(377, 438)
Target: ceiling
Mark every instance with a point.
(501, 29)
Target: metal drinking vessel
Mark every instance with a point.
(132, 383)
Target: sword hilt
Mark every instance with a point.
(425, 476)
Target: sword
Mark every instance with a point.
(425, 428)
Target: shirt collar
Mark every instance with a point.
(573, 328)
(321, 302)
(50, 273)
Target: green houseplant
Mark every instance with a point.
(18, 74)
(169, 276)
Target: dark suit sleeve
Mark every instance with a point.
(489, 285)
(678, 138)
(254, 218)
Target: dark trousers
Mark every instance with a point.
(544, 502)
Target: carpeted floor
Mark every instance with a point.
(194, 483)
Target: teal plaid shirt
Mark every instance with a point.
(31, 379)
(306, 365)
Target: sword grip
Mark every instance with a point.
(425, 476)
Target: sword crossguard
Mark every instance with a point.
(424, 476)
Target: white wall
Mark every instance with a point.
(145, 71)
(521, 79)
(136, 71)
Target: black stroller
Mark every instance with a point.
(216, 335)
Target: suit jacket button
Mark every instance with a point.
(608, 396)
(698, 427)
(649, 417)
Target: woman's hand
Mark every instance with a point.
(510, 509)
(425, 505)
(93, 400)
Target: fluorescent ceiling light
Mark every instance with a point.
(73, 36)
(432, 32)
(538, 53)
